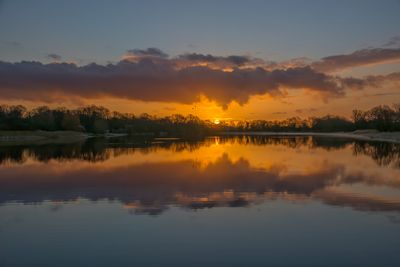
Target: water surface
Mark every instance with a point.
(221, 201)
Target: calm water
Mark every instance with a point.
(244, 201)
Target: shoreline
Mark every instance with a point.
(48, 137)
(40, 137)
(364, 135)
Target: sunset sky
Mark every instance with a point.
(214, 59)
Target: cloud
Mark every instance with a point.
(150, 80)
(394, 41)
(217, 62)
(136, 55)
(197, 59)
(54, 57)
(356, 59)
(151, 51)
(291, 63)
(151, 75)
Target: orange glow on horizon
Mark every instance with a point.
(266, 107)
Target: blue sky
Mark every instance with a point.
(101, 31)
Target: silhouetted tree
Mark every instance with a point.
(71, 122)
(97, 119)
(13, 118)
(42, 118)
(331, 123)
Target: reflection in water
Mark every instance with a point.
(93, 150)
(226, 201)
(383, 153)
(98, 149)
(148, 176)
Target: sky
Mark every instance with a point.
(214, 59)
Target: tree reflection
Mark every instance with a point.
(382, 153)
(100, 149)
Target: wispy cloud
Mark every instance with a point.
(358, 58)
(136, 55)
(54, 57)
(394, 41)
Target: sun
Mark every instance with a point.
(217, 121)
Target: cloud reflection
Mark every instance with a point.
(151, 187)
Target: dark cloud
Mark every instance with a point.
(229, 60)
(150, 75)
(149, 52)
(356, 59)
(156, 81)
(198, 57)
(54, 57)
(223, 62)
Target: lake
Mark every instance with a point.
(219, 201)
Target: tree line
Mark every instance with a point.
(381, 118)
(99, 120)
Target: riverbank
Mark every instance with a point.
(40, 137)
(366, 135)
(48, 137)
(60, 137)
